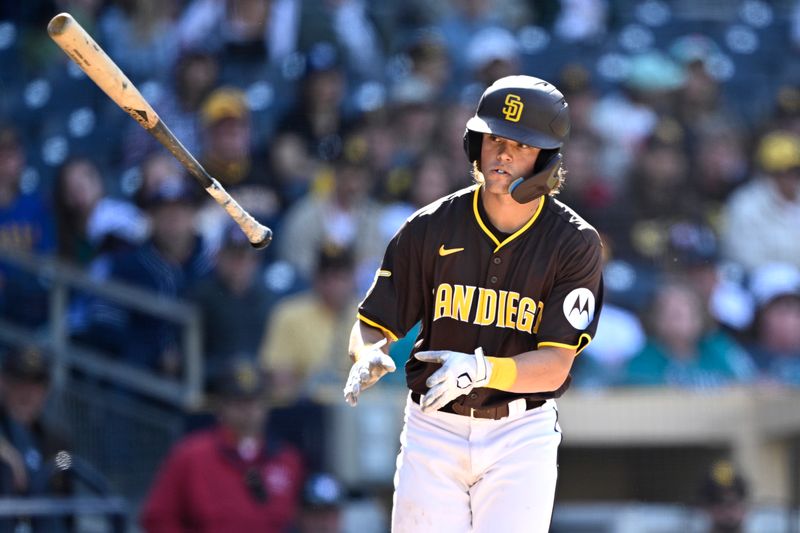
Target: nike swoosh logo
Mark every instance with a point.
(444, 251)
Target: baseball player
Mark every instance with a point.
(507, 283)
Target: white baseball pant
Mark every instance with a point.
(457, 474)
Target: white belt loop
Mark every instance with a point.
(517, 406)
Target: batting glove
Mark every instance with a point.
(372, 365)
(460, 373)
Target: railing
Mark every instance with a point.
(114, 508)
(61, 279)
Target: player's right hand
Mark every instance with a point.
(372, 365)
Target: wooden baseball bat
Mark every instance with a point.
(87, 54)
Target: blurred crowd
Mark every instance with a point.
(332, 121)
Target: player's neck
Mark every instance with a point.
(505, 213)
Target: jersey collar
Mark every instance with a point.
(487, 231)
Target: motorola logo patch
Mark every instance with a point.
(579, 308)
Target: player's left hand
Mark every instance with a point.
(460, 373)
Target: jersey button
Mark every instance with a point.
(493, 279)
(497, 260)
(473, 395)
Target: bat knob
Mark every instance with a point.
(265, 240)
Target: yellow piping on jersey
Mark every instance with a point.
(374, 324)
(510, 238)
(577, 347)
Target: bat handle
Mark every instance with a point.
(258, 234)
(165, 136)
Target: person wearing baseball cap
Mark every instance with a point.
(760, 220)
(233, 476)
(169, 262)
(29, 439)
(229, 154)
(324, 497)
(234, 302)
(723, 495)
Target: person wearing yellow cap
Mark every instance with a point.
(761, 219)
(228, 155)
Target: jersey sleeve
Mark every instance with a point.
(394, 302)
(572, 309)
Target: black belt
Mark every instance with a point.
(492, 413)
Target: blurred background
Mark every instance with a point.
(134, 317)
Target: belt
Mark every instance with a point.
(491, 413)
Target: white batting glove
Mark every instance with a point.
(460, 373)
(371, 366)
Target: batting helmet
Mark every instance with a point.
(530, 111)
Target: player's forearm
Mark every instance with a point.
(540, 370)
(362, 334)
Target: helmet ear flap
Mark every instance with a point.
(472, 145)
(543, 180)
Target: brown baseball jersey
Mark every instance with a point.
(471, 285)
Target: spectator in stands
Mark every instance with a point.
(318, 115)
(345, 217)
(234, 303)
(761, 218)
(693, 255)
(292, 168)
(351, 26)
(178, 103)
(776, 288)
(242, 34)
(32, 439)
(25, 226)
(463, 20)
(323, 500)
(227, 155)
(169, 263)
(154, 170)
(140, 36)
(719, 163)
(492, 53)
(302, 364)
(231, 477)
(624, 119)
(413, 119)
(430, 180)
(88, 222)
(684, 348)
(657, 196)
(699, 101)
(429, 63)
(723, 496)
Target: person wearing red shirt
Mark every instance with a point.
(231, 477)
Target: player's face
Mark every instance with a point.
(504, 160)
